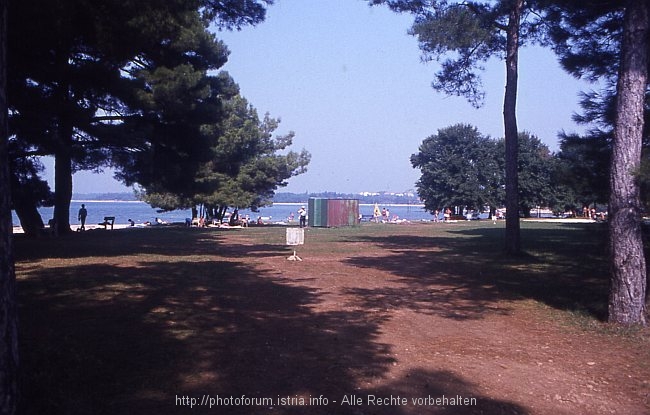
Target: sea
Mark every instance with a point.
(141, 212)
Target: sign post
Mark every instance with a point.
(295, 236)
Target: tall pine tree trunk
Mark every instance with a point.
(628, 268)
(26, 207)
(8, 307)
(512, 239)
(63, 179)
(29, 217)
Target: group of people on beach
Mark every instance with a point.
(382, 216)
(233, 219)
(446, 216)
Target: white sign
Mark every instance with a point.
(295, 236)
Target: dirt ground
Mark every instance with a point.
(397, 320)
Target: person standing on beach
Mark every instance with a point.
(303, 216)
(82, 217)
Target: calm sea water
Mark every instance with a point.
(140, 212)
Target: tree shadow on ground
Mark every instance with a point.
(156, 336)
(463, 273)
(101, 340)
(442, 392)
(176, 241)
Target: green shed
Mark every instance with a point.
(323, 212)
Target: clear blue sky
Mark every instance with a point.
(348, 79)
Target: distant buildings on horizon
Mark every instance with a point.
(364, 197)
(403, 194)
(285, 197)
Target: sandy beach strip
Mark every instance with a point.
(75, 228)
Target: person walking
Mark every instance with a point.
(82, 217)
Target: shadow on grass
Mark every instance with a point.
(463, 273)
(174, 241)
(151, 335)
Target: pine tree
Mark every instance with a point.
(609, 41)
(70, 80)
(471, 32)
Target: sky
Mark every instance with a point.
(349, 81)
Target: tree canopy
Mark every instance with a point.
(460, 167)
(132, 85)
(245, 166)
(536, 166)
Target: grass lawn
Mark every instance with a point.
(160, 320)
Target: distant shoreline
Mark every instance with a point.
(106, 201)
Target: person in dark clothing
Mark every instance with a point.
(82, 217)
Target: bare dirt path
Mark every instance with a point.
(442, 339)
(398, 321)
